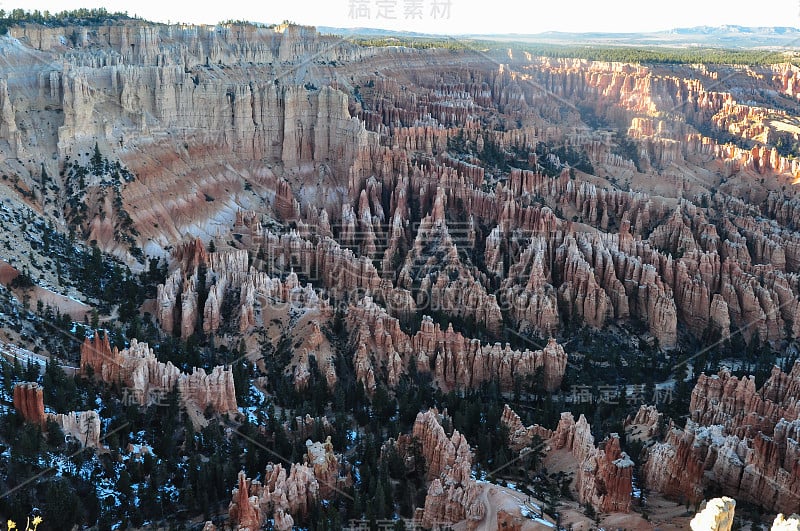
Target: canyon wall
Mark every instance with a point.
(382, 179)
(746, 437)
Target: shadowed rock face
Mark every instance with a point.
(605, 473)
(455, 361)
(520, 436)
(746, 438)
(281, 496)
(453, 496)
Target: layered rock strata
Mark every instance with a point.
(453, 496)
(29, 402)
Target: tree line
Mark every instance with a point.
(80, 17)
(622, 54)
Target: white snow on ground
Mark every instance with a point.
(482, 478)
(250, 413)
(526, 512)
(106, 488)
(535, 506)
(24, 356)
(171, 491)
(141, 448)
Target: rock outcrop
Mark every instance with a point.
(29, 402)
(782, 523)
(82, 426)
(645, 424)
(716, 516)
(454, 360)
(239, 296)
(284, 497)
(326, 467)
(453, 496)
(519, 436)
(443, 455)
(224, 276)
(605, 474)
(745, 437)
(675, 467)
(144, 376)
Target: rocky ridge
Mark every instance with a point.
(454, 361)
(144, 376)
(82, 426)
(284, 496)
(746, 438)
(605, 473)
(453, 496)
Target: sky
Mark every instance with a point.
(457, 16)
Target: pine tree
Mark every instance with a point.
(97, 161)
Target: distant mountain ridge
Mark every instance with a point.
(706, 30)
(728, 36)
